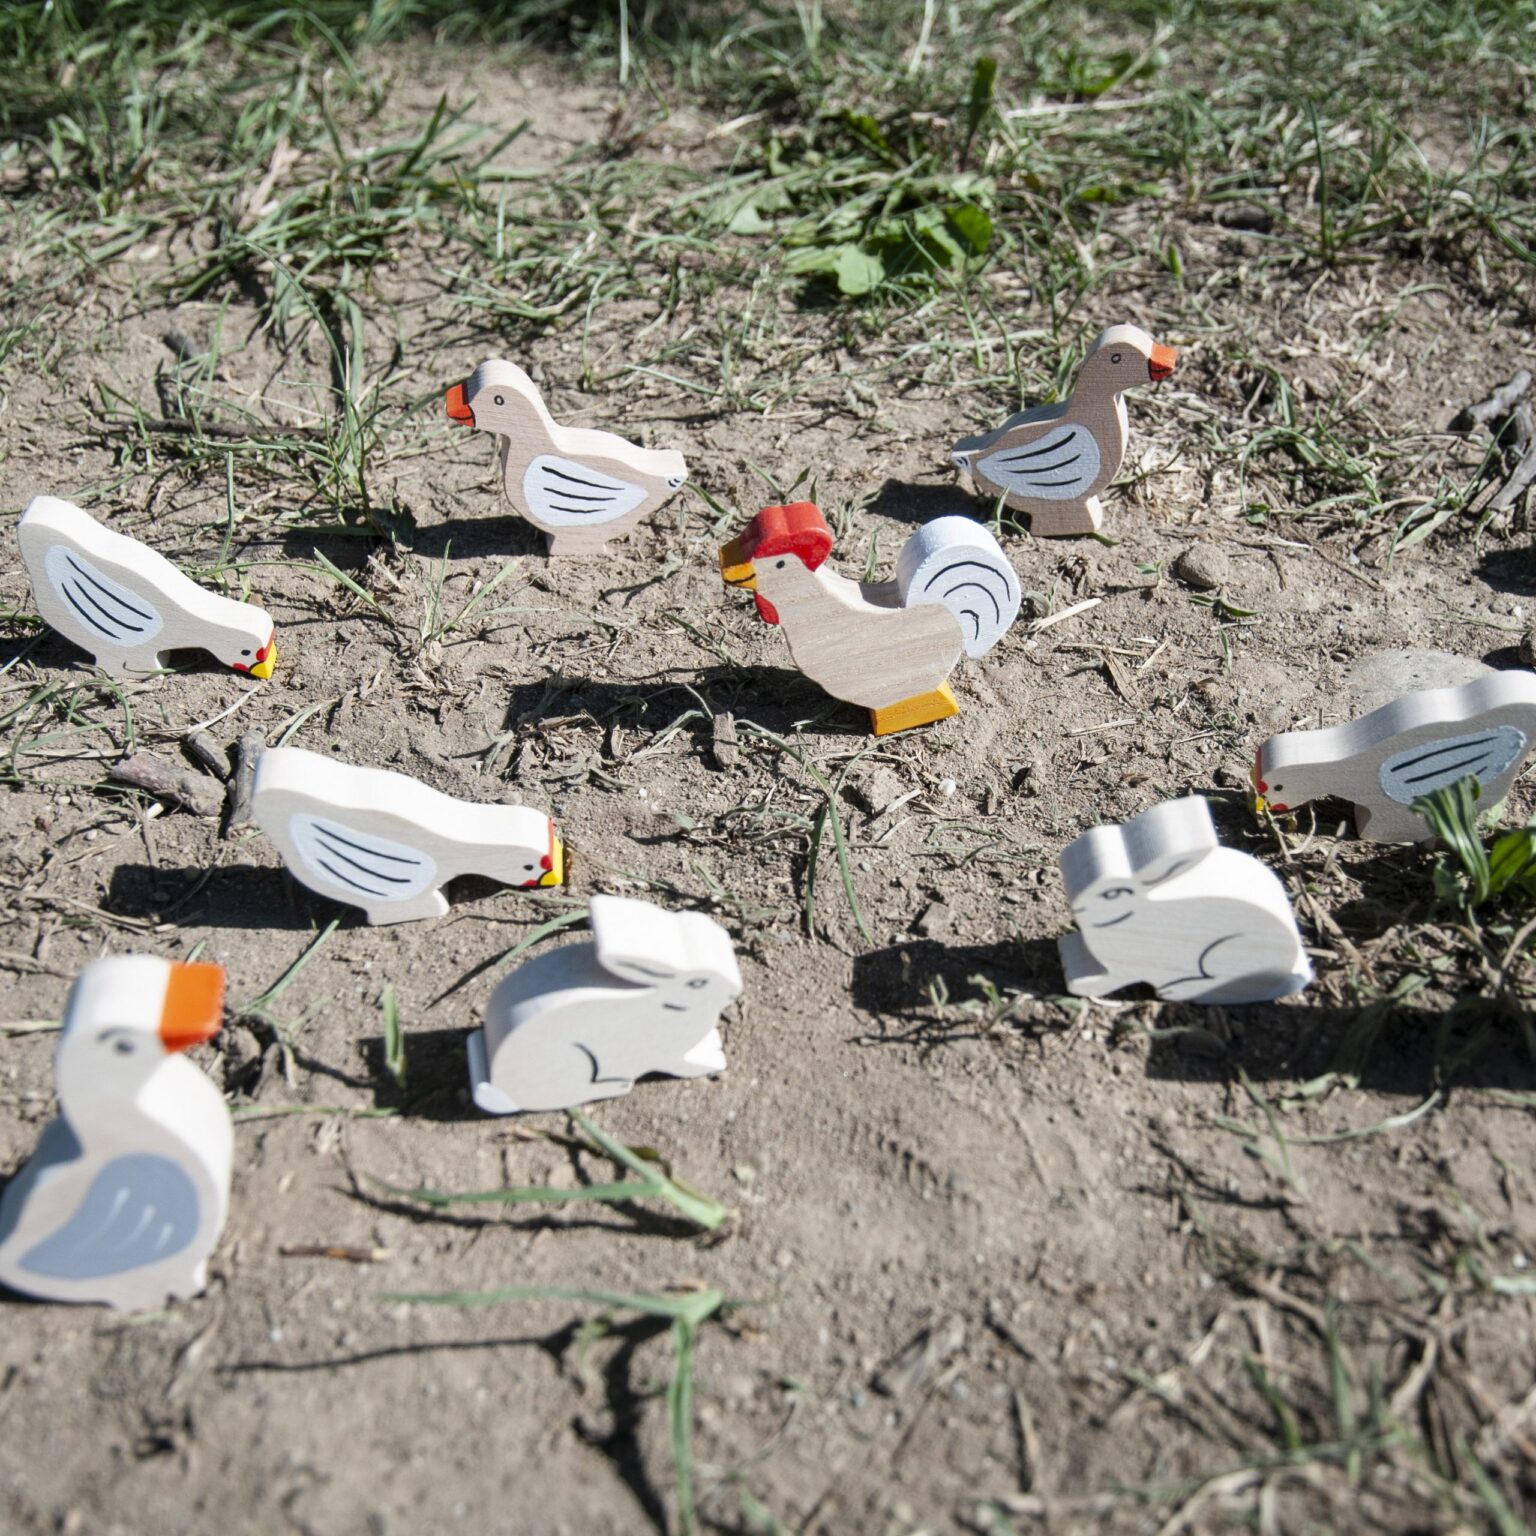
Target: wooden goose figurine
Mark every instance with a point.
(127, 1192)
(126, 604)
(1387, 759)
(579, 486)
(1052, 461)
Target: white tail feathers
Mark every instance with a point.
(957, 562)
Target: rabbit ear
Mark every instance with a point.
(1098, 857)
(709, 949)
(637, 941)
(1169, 838)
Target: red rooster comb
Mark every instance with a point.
(798, 529)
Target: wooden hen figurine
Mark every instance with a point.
(889, 646)
(1387, 759)
(388, 843)
(125, 604)
(126, 1194)
(1053, 461)
(579, 486)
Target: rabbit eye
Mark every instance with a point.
(1115, 357)
(698, 981)
(500, 399)
(1115, 893)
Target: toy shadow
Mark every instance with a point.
(628, 1390)
(227, 896)
(1509, 570)
(471, 537)
(434, 1080)
(932, 994)
(910, 503)
(776, 699)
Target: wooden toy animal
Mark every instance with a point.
(125, 604)
(1385, 760)
(579, 486)
(127, 1191)
(388, 843)
(889, 646)
(1053, 461)
(587, 1021)
(1159, 900)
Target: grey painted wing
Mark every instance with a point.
(106, 609)
(1061, 468)
(1435, 764)
(140, 1209)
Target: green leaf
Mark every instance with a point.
(973, 225)
(1451, 814)
(858, 272)
(983, 90)
(868, 132)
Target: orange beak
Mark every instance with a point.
(458, 407)
(194, 1006)
(1161, 362)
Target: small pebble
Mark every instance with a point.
(1205, 567)
(947, 788)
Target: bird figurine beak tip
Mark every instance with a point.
(1160, 364)
(458, 407)
(555, 874)
(736, 569)
(268, 655)
(193, 1010)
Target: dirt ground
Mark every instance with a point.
(1009, 1261)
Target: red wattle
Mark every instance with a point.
(765, 608)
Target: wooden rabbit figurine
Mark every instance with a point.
(1159, 900)
(584, 1022)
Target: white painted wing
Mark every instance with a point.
(106, 609)
(565, 494)
(957, 563)
(1061, 468)
(337, 856)
(1435, 764)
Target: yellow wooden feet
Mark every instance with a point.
(922, 710)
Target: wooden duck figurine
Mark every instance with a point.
(889, 646)
(1159, 900)
(127, 1191)
(1052, 461)
(127, 605)
(1387, 759)
(579, 486)
(586, 1021)
(388, 843)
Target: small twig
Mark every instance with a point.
(1498, 405)
(248, 752)
(334, 1251)
(144, 770)
(206, 749)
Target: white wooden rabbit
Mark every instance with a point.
(1159, 900)
(586, 1021)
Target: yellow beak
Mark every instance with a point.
(263, 669)
(735, 569)
(555, 874)
(1260, 804)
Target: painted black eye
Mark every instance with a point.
(1115, 357)
(123, 1047)
(1275, 789)
(245, 653)
(778, 565)
(699, 981)
(501, 399)
(1115, 893)
(528, 868)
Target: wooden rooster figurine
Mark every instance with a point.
(126, 1194)
(125, 604)
(1053, 461)
(1387, 759)
(388, 843)
(579, 486)
(889, 646)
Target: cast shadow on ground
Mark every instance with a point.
(224, 896)
(626, 1402)
(1510, 570)
(935, 995)
(908, 503)
(779, 699)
